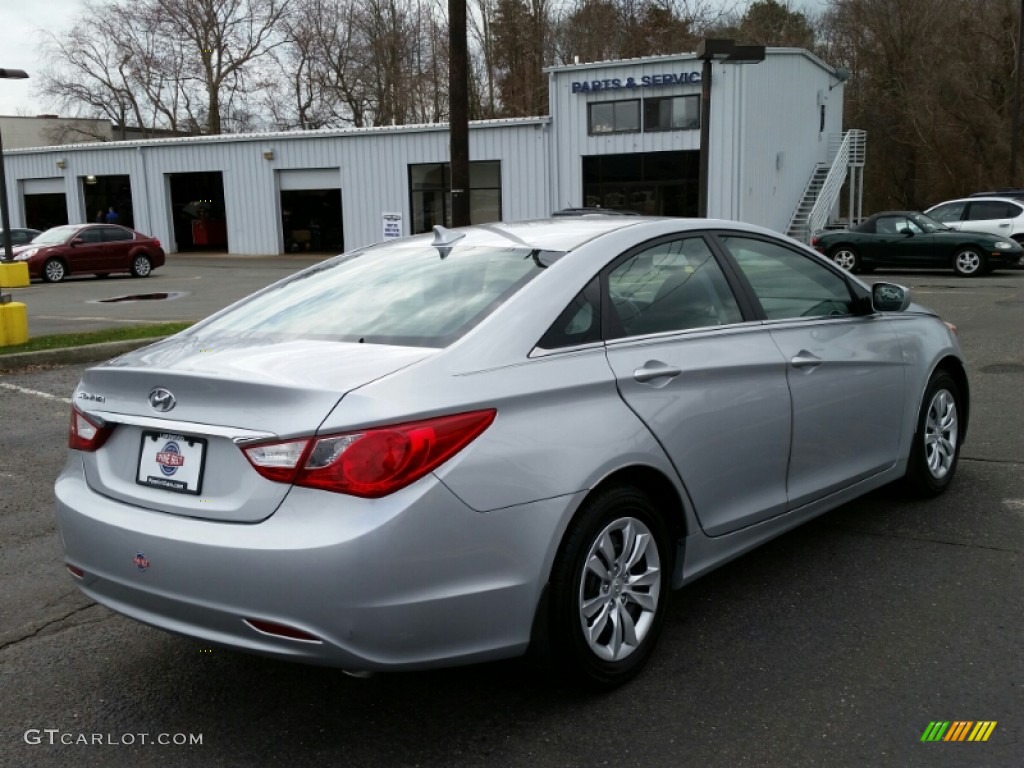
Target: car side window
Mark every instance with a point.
(986, 210)
(579, 323)
(948, 212)
(672, 286)
(90, 236)
(789, 284)
(901, 223)
(113, 234)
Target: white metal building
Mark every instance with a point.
(622, 134)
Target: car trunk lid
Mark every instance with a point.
(181, 410)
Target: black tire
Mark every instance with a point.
(54, 270)
(609, 658)
(846, 257)
(142, 266)
(935, 452)
(968, 261)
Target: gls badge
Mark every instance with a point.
(161, 400)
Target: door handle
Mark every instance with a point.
(655, 370)
(805, 359)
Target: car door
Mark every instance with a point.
(707, 381)
(951, 214)
(86, 250)
(845, 368)
(912, 246)
(992, 216)
(117, 244)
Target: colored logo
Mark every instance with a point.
(140, 561)
(170, 458)
(161, 400)
(958, 730)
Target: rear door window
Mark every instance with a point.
(672, 286)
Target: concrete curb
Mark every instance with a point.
(87, 353)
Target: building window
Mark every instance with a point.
(672, 113)
(430, 190)
(613, 117)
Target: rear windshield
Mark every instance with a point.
(409, 295)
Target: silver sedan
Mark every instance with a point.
(505, 438)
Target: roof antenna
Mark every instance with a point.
(444, 238)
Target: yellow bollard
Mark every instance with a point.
(13, 324)
(13, 274)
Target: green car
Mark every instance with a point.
(902, 239)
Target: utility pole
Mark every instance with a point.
(1015, 128)
(458, 119)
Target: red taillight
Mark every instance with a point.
(372, 463)
(84, 434)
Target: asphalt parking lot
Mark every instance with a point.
(835, 645)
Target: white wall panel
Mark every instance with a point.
(764, 145)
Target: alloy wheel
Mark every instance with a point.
(845, 258)
(967, 262)
(940, 433)
(619, 589)
(54, 271)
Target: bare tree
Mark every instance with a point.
(226, 40)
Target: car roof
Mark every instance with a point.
(567, 233)
(976, 198)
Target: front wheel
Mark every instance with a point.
(54, 271)
(936, 448)
(847, 258)
(141, 265)
(609, 588)
(968, 262)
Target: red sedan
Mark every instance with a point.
(97, 249)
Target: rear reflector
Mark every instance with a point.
(78, 573)
(281, 630)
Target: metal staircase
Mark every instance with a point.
(818, 202)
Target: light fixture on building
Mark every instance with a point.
(268, 154)
(842, 74)
(90, 179)
(62, 164)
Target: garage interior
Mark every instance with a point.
(197, 206)
(311, 220)
(45, 210)
(649, 183)
(102, 192)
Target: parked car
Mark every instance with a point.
(19, 236)
(508, 437)
(912, 239)
(1001, 216)
(98, 249)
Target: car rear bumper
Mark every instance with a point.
(414, 580)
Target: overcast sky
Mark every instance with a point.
(21, 25)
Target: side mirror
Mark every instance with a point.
(907, 231)
(76, 241)
(889, 297)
